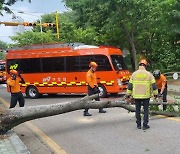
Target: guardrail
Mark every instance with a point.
(173, 80)
(172, 75)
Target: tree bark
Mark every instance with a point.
(131, 108)
(130, 37)
(12, 117)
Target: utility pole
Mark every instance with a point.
(57, 26)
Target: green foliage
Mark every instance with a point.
(153, 26)
(154, 107)
(145, 27)
(170, 108)
(30, 37)
(2, 55)
(68, 29)
(4, 5)
(3, 45)
(179, 108)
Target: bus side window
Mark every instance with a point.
(47, 64)
(53, 64)
(103, 63)
(12, 64)
(101, 60)
(31, 65)
(58, 64)
(72, 64)
(84, 63)
(24, 65)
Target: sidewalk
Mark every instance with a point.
(10, 143)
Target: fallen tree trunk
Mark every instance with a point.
(12, 117)
(131, 108)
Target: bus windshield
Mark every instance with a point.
(118, 62)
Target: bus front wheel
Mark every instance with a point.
(103, 91)
(32, 92)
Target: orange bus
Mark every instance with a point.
(61, 68)
(2, 71)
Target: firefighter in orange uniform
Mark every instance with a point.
(161, 83)
(92, 86)
(13, 83)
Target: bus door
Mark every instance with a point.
(73, 75)
(103, 71)
(54, 73)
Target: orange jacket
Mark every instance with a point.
(91, 78)
(14, 85)
(161, 82)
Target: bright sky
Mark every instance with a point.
(32, 12)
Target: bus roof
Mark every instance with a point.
(50, 50)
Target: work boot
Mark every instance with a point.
(146, 127)
(139, 126)
(87, 114)
(102, 111)
(164, 107)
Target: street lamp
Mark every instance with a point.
(33, 15)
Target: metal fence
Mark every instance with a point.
(173, 80)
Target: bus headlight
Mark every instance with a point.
(119, 82)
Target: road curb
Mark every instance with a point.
(12, 144)
(16, 141)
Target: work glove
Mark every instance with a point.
(13, 77)
(126, 96)
(129, 99)
(155, 96)
(160, 95)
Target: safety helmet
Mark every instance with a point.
(143, 61)
(13, 72)
(93, 64)
(157, 74)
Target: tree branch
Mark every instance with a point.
(12, 117)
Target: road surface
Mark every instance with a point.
(114, 132)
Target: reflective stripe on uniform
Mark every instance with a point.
(129, 92)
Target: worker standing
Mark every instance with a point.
(92, 86)
(161, 83)
(14, 84)
(139, 87)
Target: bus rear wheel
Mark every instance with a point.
(32, 92)
(103, 91)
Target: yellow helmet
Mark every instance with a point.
(93, 64)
